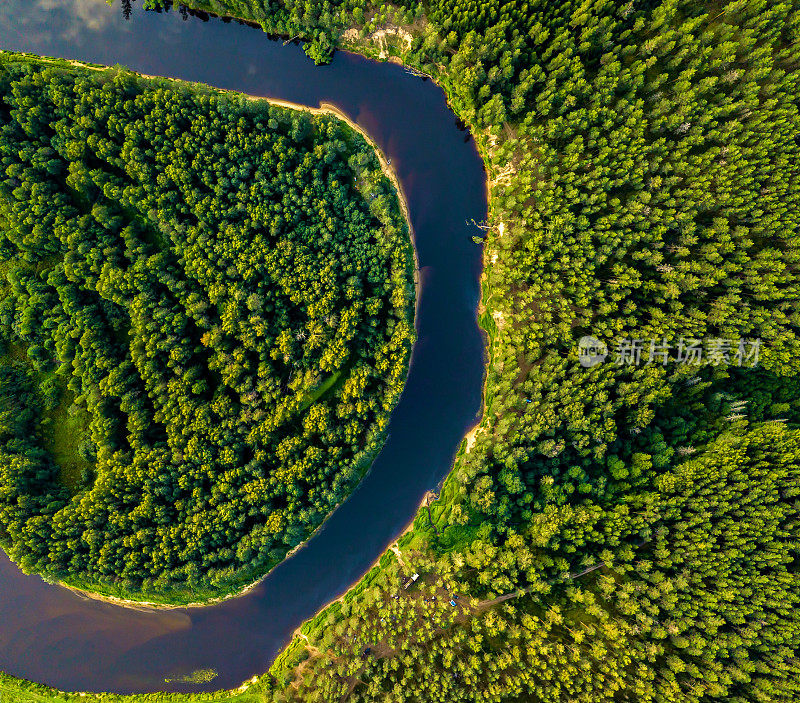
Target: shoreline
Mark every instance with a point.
(324, 109)
(388, 548)
(195, 605)
(331, 109)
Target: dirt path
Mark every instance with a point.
(530, 589)
(392, 547)
(398, 554)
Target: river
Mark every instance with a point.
(53, 636)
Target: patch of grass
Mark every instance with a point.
(63, 429)
(314, 395)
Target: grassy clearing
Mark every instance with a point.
(63, 428)
(314, 395)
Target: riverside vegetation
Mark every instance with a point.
(619, 533)
(206, 310)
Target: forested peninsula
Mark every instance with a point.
(206, 315)
(620, 532)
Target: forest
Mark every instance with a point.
(206, 312)
(620, 533)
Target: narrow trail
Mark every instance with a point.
(569, 577)
(530, 589)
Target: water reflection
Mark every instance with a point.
(72, 20)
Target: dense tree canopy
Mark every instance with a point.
(699, 608)
(206, 307)
(620, 533)
(624, 532)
